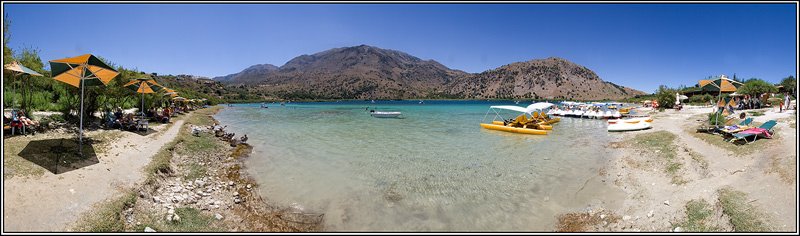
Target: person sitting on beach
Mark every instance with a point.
(118, 113)
(25, 120)
(165, 115)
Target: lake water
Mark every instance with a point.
(434, 170)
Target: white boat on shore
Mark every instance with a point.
(385, 114)
(630, 124)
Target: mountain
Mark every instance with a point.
(367, 72)
(250, 73)
(551, 78)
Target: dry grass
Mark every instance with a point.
(744, 216)
(582, 222)
(697, 157)
(192, 220)
(662, 145)
(699, 217)
(784, 167)
(109, 217)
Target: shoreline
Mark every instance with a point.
(197, 183)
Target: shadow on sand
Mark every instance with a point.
(143, 132)
(60, 155)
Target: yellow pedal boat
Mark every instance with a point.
(513, 129)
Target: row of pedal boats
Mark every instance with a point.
(538, 119)
(591, 114)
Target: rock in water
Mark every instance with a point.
(149, 230)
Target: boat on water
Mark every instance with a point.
(537, 124)
(596, 110)
(630, 124)
(385, 114)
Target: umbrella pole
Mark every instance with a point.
(80, 138)
(716, 117)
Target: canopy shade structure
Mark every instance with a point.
(82, 71)
(721, 84)
(170, 92)
(735, 95)
(142, 86)
(20, 70)
(511, 108)
(539, 106)
(85, 67)
(16, 67)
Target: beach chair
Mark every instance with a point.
(142, 123)
(732, 129)
(16, 123)
(763, 130)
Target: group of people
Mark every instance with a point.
(18, 119)
(749, 103)
(121, 120)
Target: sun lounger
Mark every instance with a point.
(742, 126)
(764, 130)
(746, 121)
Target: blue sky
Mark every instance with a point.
(636, 45)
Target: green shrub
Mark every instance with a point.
(713, 118)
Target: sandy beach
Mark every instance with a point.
(657, 195)
(51, 202)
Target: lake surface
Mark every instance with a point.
(434, 170)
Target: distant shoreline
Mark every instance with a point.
(367, 100)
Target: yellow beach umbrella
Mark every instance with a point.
(719, 85)
(170, 92)
(142, 86)
(81, 71)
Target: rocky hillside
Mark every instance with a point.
(366, 72)
(551, 78)
(250, 74)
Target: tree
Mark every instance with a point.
(7, 52)
(29, 57)
(755, 87)
(790, 84)
(665, 96)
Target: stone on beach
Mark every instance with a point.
(149, 230)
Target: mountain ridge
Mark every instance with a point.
(367, 72)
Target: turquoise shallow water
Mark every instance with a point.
(434, 170)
